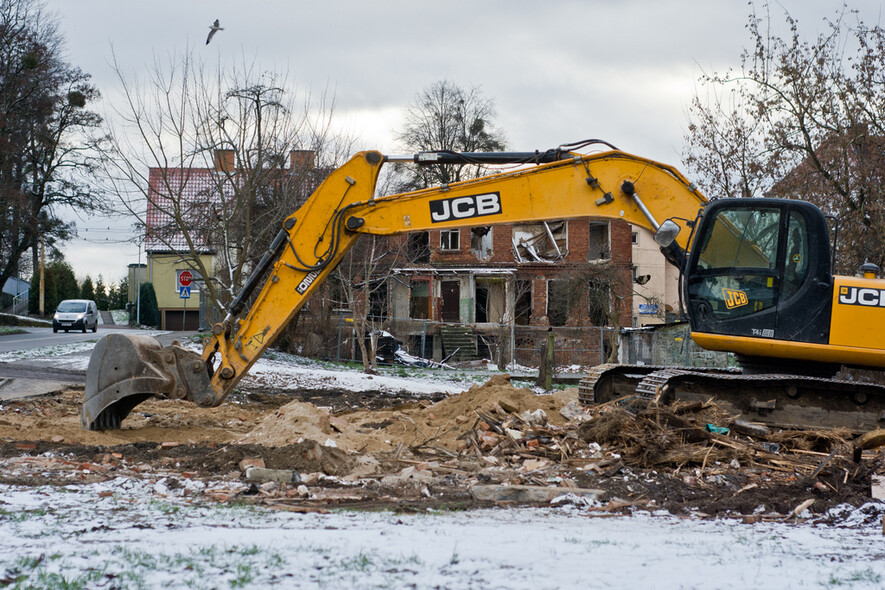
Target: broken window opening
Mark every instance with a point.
(418, 247)
(540, 242)
(419, 300)
(599, 298)
(557, 302)
(523, 303)
(481, 242)
(482, 305)
(600, 245)
(490, 301)
(377, 304)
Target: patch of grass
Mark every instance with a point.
(851, 578)
(7, 331)
(30, 572)
(361, 562)
(208, 566)
(22, 515)
(251, 550)
(12, 320)
(138, 559)
(455, 558)
(164, 507)
(244, 575)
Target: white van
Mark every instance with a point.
(75, 314)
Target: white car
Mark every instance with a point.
(75, 314)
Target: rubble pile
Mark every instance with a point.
(496, 441)
(493, 444)
(696, 433)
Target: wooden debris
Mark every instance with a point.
(798, 509)
(870, 440)
(824, 463)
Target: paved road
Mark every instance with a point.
(27, 377)
(37, 337)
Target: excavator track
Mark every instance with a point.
(786, 401)
(611, 381)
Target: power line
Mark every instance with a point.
(106, 235)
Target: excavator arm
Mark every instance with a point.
(124, 370)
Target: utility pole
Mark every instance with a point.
(41, 308)
(138, 289)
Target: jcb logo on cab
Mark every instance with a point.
(734, 298)
(862, 296)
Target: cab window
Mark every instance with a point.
(796, 264)
(737, 263)
(742, 238)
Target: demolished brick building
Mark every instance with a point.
(492, 292)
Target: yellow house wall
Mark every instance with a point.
(664, 283)
(162, 271)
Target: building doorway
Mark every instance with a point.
(450, 306)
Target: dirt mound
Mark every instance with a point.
(293, 423)
(57, 418)
(409, 425)
(496, 391)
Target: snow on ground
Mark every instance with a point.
(149, 534)
(285, 371)
(54, 354)
(130, 535)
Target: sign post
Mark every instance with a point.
(185, 278)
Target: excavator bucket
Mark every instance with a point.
(125, 370)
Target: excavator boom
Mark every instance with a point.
(314, 239)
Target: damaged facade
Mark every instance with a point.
(492, 292)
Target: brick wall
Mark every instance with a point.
(539, 273)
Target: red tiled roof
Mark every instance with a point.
(195, 196)
(181, 193)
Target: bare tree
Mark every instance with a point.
(801, 119)
(597, 295)
(363, 278)
(44, 154)
(218, 160)
(445, 116)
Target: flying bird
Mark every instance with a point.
(215, 28)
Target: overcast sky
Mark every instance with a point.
(558, 71)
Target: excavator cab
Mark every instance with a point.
(760, 269)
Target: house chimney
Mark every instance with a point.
(225, 161)
(301, 160)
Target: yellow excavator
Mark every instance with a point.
(757, 281)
